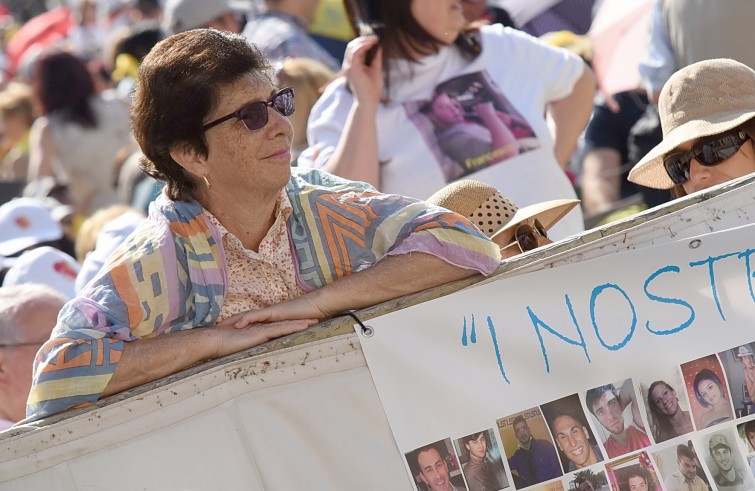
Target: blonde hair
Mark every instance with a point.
(308, 78)
(86, 239)
(16, 99)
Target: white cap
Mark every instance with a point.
(182, 15)
(25, 222)
(45, 265)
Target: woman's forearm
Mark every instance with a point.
(146, 360)
(570, 115)
(355, 157)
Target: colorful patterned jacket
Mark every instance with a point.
(171, 274)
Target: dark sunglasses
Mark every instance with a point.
(709, 152)
(254, 115)
(525, 235)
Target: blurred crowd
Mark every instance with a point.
(71, 185)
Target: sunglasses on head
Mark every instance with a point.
(709, 152)
(254, 115)
(525, 235)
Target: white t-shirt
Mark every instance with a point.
(516, 72)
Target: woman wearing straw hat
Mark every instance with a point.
(707, 112)
(514, 229)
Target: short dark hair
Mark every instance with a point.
(560, 409)
(635, 471)
(179, 83)
(684, 451)
(706, 374)
(413, 458)
(749, 427)
(473, 436)
(594, 394)
(519, 419)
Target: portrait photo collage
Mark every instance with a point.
(689, 428)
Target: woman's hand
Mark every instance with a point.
(306, 307)
(232, 339)
(365, 82)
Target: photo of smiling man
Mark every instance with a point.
(435, 467)
(568, 424)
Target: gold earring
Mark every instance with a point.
(206, 182)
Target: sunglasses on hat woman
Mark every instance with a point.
(708, 152)
(525, 235)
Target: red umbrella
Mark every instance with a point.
(41, 31)
(619, 35)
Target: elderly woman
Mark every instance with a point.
(235, 232)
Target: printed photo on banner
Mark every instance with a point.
(617, 417)
(531, 454)
(481, 461)
(550, 486)
(633, 473)
(643, 372)
(739, 366)
(708, 394)
(681, 469)
(469, 124)
(725, 461)
(577, 446)
(587, 480)
(667, 408)
(435, 467)
(746, 433)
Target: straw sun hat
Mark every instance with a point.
(494, 214)
(702, 99)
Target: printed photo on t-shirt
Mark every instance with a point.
(468, 124)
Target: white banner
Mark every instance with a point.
(594, 375)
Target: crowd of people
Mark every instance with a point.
(138, 134)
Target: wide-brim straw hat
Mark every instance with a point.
(702, 99)
(494, 214)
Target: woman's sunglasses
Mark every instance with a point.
(709, 152)
(254, 115)
(525, 235)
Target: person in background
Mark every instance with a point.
(481, 10)
(707, 112)
(281, 32)
(514, 229)
(225, 244)
(79, 133)
(45, 265)
(182, 15)
(307, 77)
(27, 315)
(368, 125)
(17, 117)
(675, 41)
(99, 236)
